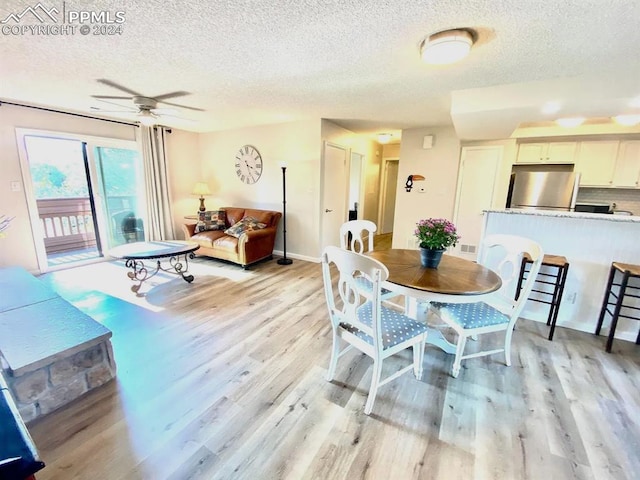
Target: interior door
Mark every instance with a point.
(390, 187)
(334, 192)
(478, 167)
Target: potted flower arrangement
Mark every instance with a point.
(435, 236)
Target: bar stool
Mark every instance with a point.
(557, 279)
(627, 271)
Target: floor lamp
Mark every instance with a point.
(284, 260)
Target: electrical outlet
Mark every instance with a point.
(15, 186)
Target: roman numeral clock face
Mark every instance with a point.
(248, 164)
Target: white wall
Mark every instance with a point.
(439, 166)
(18, 247)
(297, 144)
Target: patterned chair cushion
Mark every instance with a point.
(396, 327)
(470, 315)
(247, 224)
(211, 220)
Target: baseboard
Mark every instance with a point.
(627, 335)
(296, 256)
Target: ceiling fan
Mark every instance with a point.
(145, 108)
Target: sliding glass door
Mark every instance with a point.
(85, 195)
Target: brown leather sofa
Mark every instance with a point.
(250, 247)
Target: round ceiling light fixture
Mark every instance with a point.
(570, 122)
(384, 137)
(448, 46)
(627, 120)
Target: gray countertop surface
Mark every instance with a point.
(577, 215)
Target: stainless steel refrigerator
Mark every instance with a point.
(543, 190)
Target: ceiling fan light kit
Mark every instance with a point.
(446, 47)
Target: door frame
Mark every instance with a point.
(90, 142)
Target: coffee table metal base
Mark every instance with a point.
(140, 272)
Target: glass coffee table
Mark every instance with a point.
(135, 254)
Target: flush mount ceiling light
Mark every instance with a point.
(550, 108)
(446, 47)
(384, 137)
(570, 122)
(627, 120)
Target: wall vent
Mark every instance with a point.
(468, 248)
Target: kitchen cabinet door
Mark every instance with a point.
(596, 162)
(531, 152)
(627, 171)
(552, 152)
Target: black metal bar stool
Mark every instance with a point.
(626, 271)
(557, 279)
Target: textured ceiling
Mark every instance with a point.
(251, 62)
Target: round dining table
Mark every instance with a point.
(456, 280)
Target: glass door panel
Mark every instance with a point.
(58, 170)
(122, 190)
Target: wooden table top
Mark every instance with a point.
(454, 275)
(151, 250)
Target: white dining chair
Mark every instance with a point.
(503, 254)
(364, 323)
(357, 236)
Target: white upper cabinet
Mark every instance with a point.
(627, 171)
(551, 152)
(597, 162)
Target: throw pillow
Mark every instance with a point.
(211, 220)
(247, 224)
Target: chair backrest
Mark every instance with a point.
(345, 291)
(352, 235)
(503, 254)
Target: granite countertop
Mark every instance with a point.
(581, 215)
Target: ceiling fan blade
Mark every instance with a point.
(128, 107)
(104, 81)
(100, 110)
(183, 106)
(179, 93)
(111, 97)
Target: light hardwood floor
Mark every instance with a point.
(224, 379)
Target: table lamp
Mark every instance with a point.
(201, 189)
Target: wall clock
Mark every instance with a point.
(248, 164)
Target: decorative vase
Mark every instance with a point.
(430, 257)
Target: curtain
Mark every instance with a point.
(159, 218)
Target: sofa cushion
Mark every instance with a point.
(207, 238)
(247, 224)
(211, 220)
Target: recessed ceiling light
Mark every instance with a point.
(550, 108)
(635, 102)
(446, 47)
(570, 122)
(384, 137)
(627, 120)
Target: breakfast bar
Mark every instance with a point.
(590, 242)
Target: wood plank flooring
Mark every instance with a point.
(224, 379)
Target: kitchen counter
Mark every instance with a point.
(577, 215)
(590, 242)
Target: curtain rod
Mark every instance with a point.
(68, 113)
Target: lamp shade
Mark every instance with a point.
(201, 189)
(446, 47)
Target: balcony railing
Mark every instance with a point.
(67, 224)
